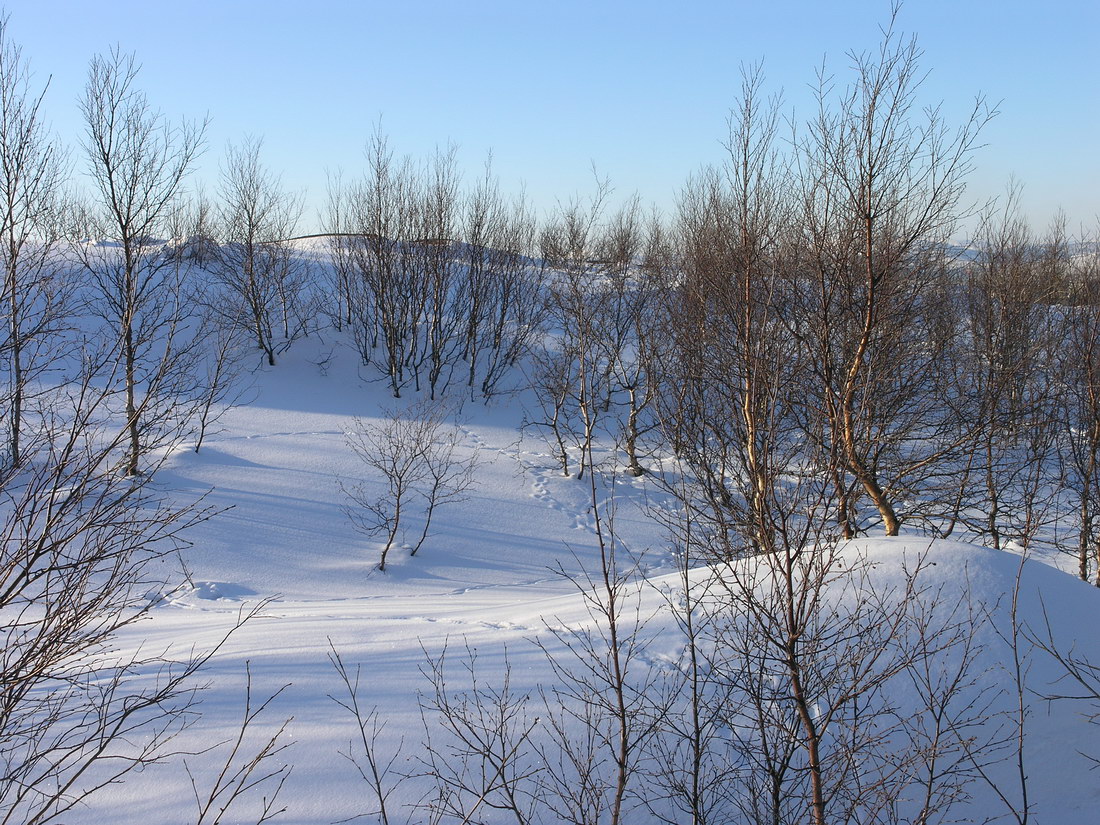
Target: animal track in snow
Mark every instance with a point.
(217, 439)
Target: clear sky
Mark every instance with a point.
(640, 89)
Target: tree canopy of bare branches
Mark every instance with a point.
(36, 292)
(262, 283)
(137, 163)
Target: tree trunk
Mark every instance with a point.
(131, 405)
(16, 408)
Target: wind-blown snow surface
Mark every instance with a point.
(484, 578)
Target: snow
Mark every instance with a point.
(485, 579)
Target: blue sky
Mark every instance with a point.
(640, 89)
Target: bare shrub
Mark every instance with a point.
(600, 711)
(83, 550)
(375, 768)
(478, 749)
(417, 456)
(250, 769)
(221, 384)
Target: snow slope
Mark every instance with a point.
(484, 579)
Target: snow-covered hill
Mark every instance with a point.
(490, 579)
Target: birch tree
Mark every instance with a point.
(137, 163)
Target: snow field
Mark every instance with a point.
(483, 581)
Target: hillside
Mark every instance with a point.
(771, 502)
(485, 582)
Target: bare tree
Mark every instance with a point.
(571, 375)
(416, 455)
(1012, 333)
(1079, 443)
(439, 259)
(447, 478)
(880, 191)
(804, 655)
(732, 397)
(552, 380)
(691, 764)
(502, 291)
(427, 277)
(262, 282)
(626, 277)
(196, 238)
(137, 163)
(743, 500)
(373, 222)
(35, 293)
(600, 711)
(814, 665)
(635, 366)
(83, 549)
(803, 649)
(221, 381)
